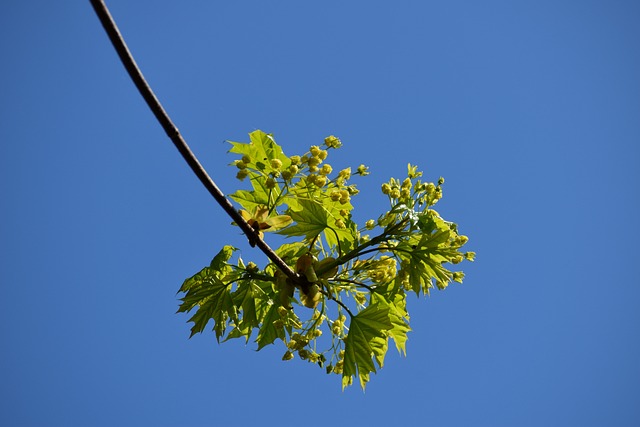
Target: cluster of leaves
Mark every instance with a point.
(351, 298)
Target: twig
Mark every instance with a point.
(172, 131)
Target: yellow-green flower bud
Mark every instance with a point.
(441, 181)
(320, 180)
(363, 170)
(294, 160)
(370, 224)
(360, 298)
(276, 163)
(406, 183)
(345, 173)
(314, 161)
(326, 169)
(470, 256)
(386, 188)
(332, 141)
(313, 169)
(323, 154)
(240, 164)
(288, 355)
(314, 150)
(335, 195)
(340, 223)
(286, 175)
(395, 193)
(242, 174)
(246, 159)
(270, 183)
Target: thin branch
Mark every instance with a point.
(340, 303)
(172, 131)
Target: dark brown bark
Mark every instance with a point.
(172, 132)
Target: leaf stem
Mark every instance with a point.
(340, 303)
(172, 132)
(359, 250)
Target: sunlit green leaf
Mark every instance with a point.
(310, 221)
(366, 341)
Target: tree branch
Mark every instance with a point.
(172, 131)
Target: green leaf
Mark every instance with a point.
(398, 316)
(366, 341)
(268, 331)
(218, 268)
(249, 200)
(214, 303)
(206, 291)
(261, 150)
(309, 222)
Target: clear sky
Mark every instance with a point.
(530, 110)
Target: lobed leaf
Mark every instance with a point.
(366, 341)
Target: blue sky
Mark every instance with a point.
(530, 110)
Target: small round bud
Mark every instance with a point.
(246, 159)
(270, 183)
(294, 160)
(335, 195)
(332, 142)
(276, 163)
(320, 180)
(370, 224)
(288, 355)
(314, 150)
(314, 161)
(242, 174)
(326, 169)
(345, 173)
(323, 154)
(240, 164)
(386, 188)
